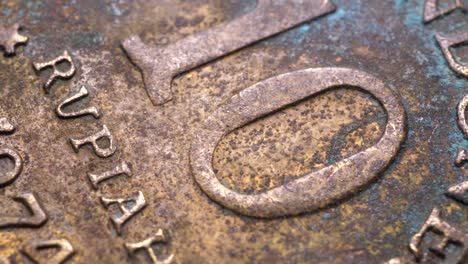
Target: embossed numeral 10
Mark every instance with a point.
(160, 64)
(313, 190)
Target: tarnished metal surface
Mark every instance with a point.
(109, 176)
(448, 42)
(449, 233)
(313, 190)
(161, 64)
(432, 10)
(33, 247)
(10, 37)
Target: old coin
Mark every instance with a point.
(211, 131)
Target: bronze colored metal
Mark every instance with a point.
(83, 92)
(240, 131)
(161, 64)
(57, 73)
(11, 175)
(147, 245)
(38, 216)
(5, 126)
(10, 38)
(314, 190)
(33, 248)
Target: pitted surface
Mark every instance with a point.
(387, 39)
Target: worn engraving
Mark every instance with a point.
(38, 216)
(57, 73)
(83, 92)
(6, 127)
(462, 157)
(160, 64)
(10, 176)
(10, 38)
(127, 210)
(6, 178)
(121, 169)
(450, 41)
(147, 244)
(431, 11)
(459, 191)
(448, 232)
(102, 152)
(65, 250)
(316, 189)
(462, 107)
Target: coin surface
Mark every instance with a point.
(240, 131)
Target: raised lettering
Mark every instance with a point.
(160, 64)
(38, 216)
(121, 169)
(431, 11)
(65, 250)
(462, 106)
(56, 74)
(127, 210)
(449, 234)
(462, 157)
(102, 152)
(6, 127)
(447, 42)
(458, 192)
(88, 111)
(10, 176)
(146, 245)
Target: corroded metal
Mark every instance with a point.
(9, 176)
(459, 191)
(56, 73)
(121, 169)
(313, 190)
(127, 211)
(161, 64)
(83, 92)
(37, 218)
(449, 234)
(85, 194)
(432, 11)
(10, 38)
(65, 250)
(447, 42)
(6, 126)
(147, 245)
(461, 113)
